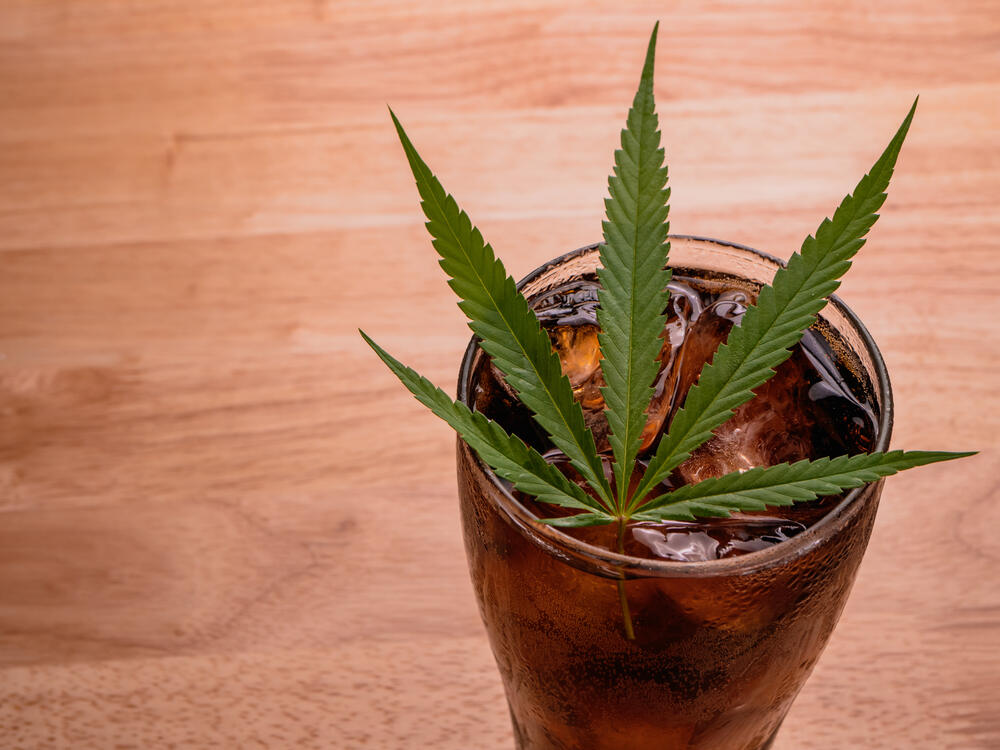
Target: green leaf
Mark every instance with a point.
(634, 293)
(579, 520)
(771, 327)
(783, 484)
(502, 318)
(508, 455)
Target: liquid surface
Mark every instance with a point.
(813, 407)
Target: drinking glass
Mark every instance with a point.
(721, 647)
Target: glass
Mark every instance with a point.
(722, 647)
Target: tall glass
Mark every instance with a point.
(721, 647)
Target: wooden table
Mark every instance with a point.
(224, 524)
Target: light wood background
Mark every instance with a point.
(224, 524)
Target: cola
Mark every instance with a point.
(729, 615)
(808, 409)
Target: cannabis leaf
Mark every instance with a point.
(500, 315)
(633, 295)
(771, 327)
(633, 299)
(782, 484)
(519, 464)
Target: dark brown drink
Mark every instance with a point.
(729, 615)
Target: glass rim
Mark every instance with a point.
(582, 554)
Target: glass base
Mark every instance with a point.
(521, 744)
(770, 741)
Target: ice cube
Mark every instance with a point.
(712, 539)
(773, 427)
(687, 544)
(693, 332)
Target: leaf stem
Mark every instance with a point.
(626, 614)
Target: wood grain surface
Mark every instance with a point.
(222, 521)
